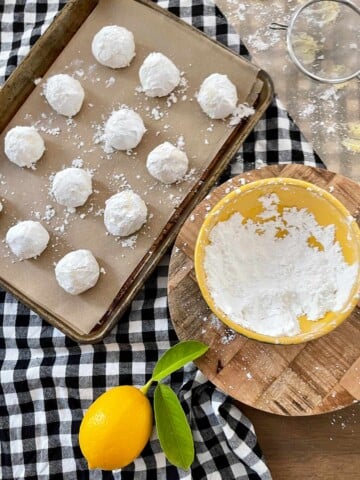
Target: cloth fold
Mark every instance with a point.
(47, 381)
(214, 413)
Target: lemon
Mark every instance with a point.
(116, 428)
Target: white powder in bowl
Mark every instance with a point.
(27, 239)
(113, 46)
(72, 187)
(125, 213)
(124, 129)
(167, 163)
(64, 94)
(158, 75)
(77, 271)
(217, 96)
(24, 146)
(264, 281)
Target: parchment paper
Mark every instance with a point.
(25, 192)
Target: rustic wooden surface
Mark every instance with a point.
(251, 20)
(315, 377)
(320, 447)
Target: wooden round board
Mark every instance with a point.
(311, 378)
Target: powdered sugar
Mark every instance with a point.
(24, 146)
(217, 96)
(113, 46)
(27, 239)
(80, 143)
(124, 129)
(167, 163)
(158, 75)
(125, 213)
(272, 275)
(71, 187)
(77, 271)
(64, 94)
(241, 111)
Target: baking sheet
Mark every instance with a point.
(25, 192)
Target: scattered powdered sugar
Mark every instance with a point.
(49, 213)
(191, 175)
(180, 142)
(240, 11)
(50, 131)
(69, 130)
(308, 110)
(330, 94)
(77, 163)
(129, 242)
(279, 268)
(241, 111)
(171, 99)
(259, 163)
(109, 82)
(263, 39)
(156, 113)
(228, 337)
(342, 420)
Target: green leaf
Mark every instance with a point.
(176, 357)
(173, 428)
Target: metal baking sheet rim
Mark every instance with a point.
(18, 87)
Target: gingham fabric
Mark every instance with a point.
(47, 381)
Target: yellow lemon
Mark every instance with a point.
(116, 428)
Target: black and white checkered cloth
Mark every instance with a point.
(48, 381)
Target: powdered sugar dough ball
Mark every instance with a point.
(124, 129)
(158, 75)
(125, 213)
(72, 187)
(167, 163)
(64, 94)
(24, 146)
(77, 271)
(217, 96)
(27, 239)
(113, 46)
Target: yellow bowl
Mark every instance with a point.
(326, 209)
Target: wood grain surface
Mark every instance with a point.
(311, 378)
(268, 48)
(320, 447)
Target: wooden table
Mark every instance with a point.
(320, 447)
(324, 113)
(297, 446)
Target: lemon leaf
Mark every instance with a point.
(176, 357)
(172, 427)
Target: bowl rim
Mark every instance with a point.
(200, 274)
